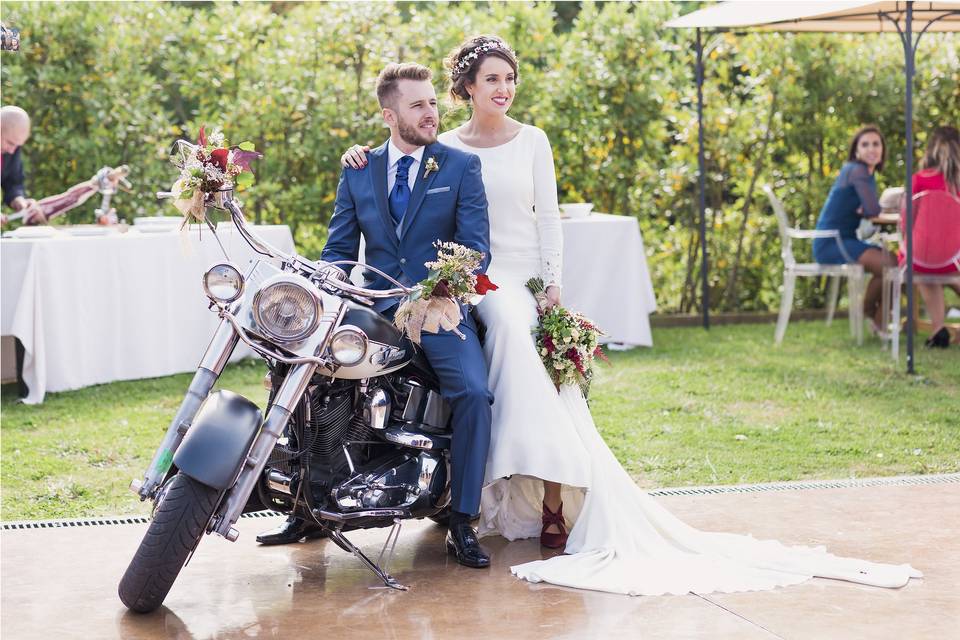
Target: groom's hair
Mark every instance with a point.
(391, 76)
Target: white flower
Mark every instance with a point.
(213, 173)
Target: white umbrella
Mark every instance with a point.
(903, 18)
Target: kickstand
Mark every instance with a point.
(388, 581)
(395, 535)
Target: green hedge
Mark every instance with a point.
(112, 83)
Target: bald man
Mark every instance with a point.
(14, 132)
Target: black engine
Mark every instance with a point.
(348, 465)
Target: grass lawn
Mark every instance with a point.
(716, 407)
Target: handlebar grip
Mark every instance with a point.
(165, 195)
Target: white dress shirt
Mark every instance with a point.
(393, 156)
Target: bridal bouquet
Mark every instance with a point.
(567, 342)
(208, 168)
(451, 279)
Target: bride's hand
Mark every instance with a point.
(553, 295)
(355, 157)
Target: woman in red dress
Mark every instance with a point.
(940, 172)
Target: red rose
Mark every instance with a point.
(219, 158)
(484, 285)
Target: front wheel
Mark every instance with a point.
(178, 524)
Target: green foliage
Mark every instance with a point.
(113, 83)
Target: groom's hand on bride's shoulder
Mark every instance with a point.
(355, 157)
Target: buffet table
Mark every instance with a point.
(122, 306)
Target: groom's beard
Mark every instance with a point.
(412, 135)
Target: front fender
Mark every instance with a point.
(218, 441)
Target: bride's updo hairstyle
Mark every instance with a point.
(464, 61)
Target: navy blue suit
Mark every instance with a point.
(449, 205)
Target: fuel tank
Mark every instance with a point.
(387, 348)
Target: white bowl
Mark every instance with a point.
(576, 209)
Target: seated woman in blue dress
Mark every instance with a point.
(853, 197)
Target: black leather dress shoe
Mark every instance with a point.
(462, 542)
(293, 530)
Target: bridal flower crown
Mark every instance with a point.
(468, 58)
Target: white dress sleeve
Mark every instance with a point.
(547, 211)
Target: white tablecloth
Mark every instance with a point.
(605, 276)
(91, 310)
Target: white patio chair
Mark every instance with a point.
(852, 271)
(936, 244)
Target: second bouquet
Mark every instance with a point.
(451, 279)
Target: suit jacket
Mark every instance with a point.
(449, 205)
(11, 180)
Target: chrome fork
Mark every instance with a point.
(289, 394)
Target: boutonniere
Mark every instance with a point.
(431, 165)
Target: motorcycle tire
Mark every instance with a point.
(178, 524)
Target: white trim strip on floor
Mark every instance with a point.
(800, 485)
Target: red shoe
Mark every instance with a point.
(553, 540)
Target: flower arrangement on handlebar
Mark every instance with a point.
(207, 169)
(451, 280)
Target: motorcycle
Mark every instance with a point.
(355, 434)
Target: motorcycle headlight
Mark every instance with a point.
(286, 311)
(223, 283)
(348, 345)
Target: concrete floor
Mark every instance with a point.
(61, 583)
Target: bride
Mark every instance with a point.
(546, 455)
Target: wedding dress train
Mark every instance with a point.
(625, 542)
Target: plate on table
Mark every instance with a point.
(157, 221)
(38, 231)
(576, 209)
(157, 228)
(88, 230)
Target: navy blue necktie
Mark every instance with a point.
(400, 194)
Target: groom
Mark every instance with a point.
(413, 192)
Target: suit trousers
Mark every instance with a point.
(462, 372)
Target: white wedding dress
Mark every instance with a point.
(622, 540)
